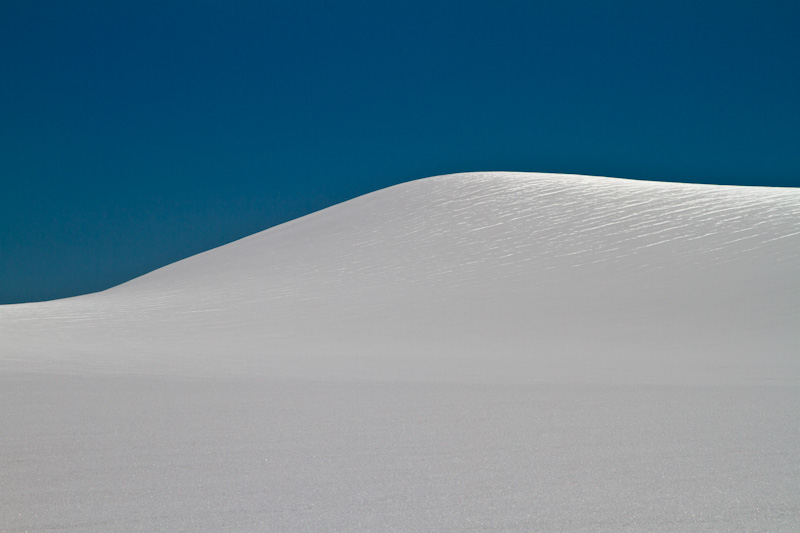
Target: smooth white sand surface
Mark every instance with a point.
(485, 351)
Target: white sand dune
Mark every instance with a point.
(467, 352)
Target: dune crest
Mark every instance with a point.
(479, 277)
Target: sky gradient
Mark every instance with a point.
(134, 133)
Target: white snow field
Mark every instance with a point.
(472, 352)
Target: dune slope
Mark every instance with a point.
(469, 277)
(474, 352)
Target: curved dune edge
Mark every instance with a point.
(479, 277)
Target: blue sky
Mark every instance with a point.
(135, 133)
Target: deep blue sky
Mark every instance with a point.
(136, 133)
